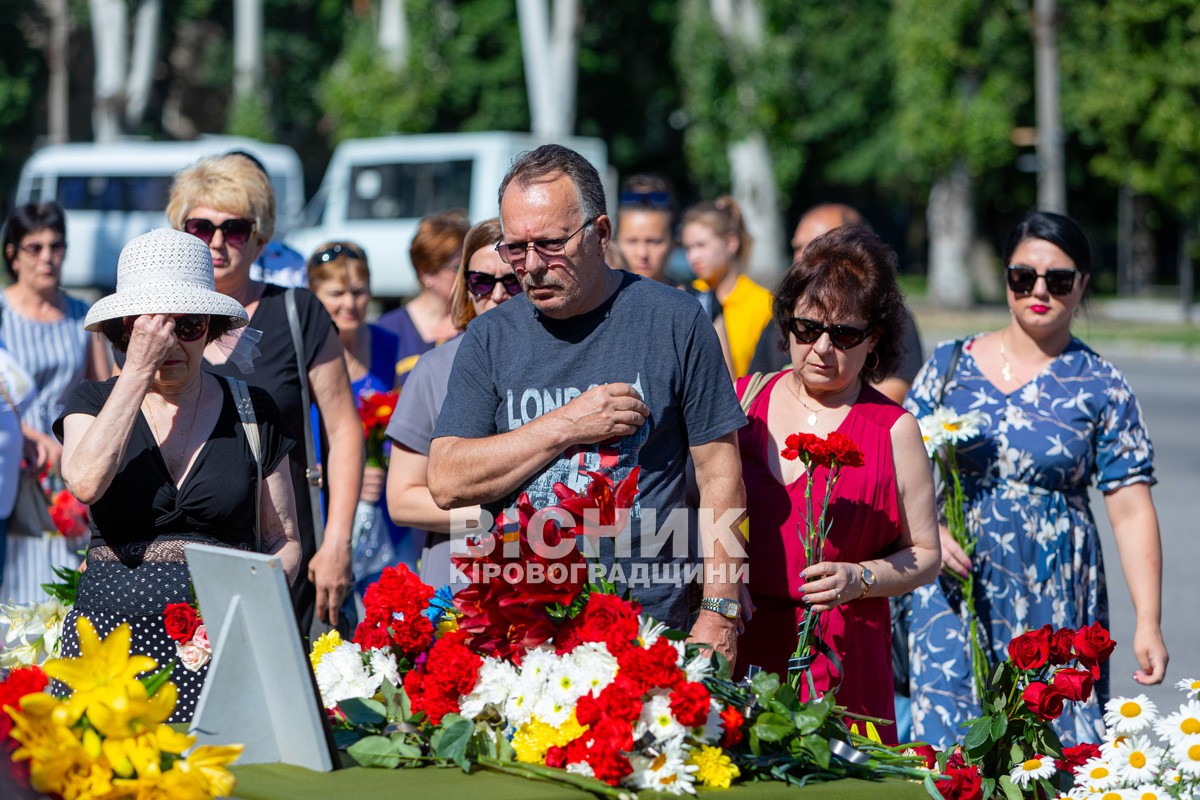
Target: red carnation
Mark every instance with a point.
(1093, 646)
(843, 450)
(20, 682)
(652, 668)
(961, 783)
(181, 621)
(689, 704)
(450, 671)
(1030, 650)
(807, 447)
(393, 613)
(556, 757)
(1074, 684)
(1044, 701)
(1062, 646)
(606, 618)
(1077, 756)
(731, 727)
(621, 700)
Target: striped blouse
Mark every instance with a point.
(54, 354)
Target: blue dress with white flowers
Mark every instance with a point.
(1038, 560)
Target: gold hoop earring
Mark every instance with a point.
(876, 365)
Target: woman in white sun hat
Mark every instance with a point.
(163, 456)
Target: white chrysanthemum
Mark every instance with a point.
(1129, 714)
(1150, 792)
(711, 731)
(1191, 686)
(563, 684)
(551, 711)
(1032, 769)
(523, 698)
(492, 685)
(1187, 757)
(666, 772)
(342, 675)
(383, 664)
(1097, 774)
(581, 768)
(699, 667)
(1138, 762)
(537, 663)
(596, 666)
(1179, 724)
(657, 721)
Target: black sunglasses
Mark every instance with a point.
(843, 337)
(330, 253)
(188, 327)
(1058, 281)
(236, 231)
(482, 284)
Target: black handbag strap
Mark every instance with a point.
(948, 375)
(312, 470)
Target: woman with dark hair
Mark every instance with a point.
(1056, 417)
(42, 329)
(840, 311)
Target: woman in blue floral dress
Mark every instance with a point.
(1058, 417)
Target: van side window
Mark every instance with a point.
(114, 192)
(390, 191)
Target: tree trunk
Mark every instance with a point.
(393, 33)
(247, 47)
(108, 37)
(58, 99)
(1187, 279)
(951, 224)
(141, 66)
(549, 48)
(1052, 181)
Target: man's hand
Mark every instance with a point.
(716, 632)
(330, 571)
(372, 484)
(608, 411)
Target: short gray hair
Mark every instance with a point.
(550, 159)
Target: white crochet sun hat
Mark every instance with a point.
(165, 271)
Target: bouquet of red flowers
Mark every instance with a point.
(375, 411)
(70, 516)
(184, 625)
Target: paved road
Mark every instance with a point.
(1169, 392)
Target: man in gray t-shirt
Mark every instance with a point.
(591, 369)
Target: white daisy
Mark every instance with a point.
(1097, 774)
(1110, 794)
(698, 668)
(1181, 723)
(1137, 763)
(666, 772)
(1030, 770)
(1191, 686)
(1129, 714)
(710, 732)
(649, 629)
(657, 719)
(931, 434)
(1113, 741)
(1150, 792)
(1170, 777)
(1188, 758)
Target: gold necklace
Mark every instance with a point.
(1006, 371)
(186, 438)
(812, 412)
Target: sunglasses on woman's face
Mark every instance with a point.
(188, 327)
(236, 231)
(482, 284)
(1021, 279)
(843, 337)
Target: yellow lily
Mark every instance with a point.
(130, 710)
(209, 761)
(100, 673)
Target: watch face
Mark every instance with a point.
(868, 577)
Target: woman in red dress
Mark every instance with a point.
(841, 314)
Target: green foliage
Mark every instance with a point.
(249, 116)
(1131, 87)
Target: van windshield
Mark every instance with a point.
(114, 192)
(395, 191)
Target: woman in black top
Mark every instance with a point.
(227, 202)
(161, 455)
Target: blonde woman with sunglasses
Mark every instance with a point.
(1058, 418)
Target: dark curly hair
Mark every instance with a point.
(114, 330)
(848, 272)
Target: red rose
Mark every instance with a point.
(961, 783)
(1074, 684)
(181, 621)
(1030, 650)
(1077, 756)
(1062, 646)
(1044, 701)
(731, 727)
(927, 753)
(1093, 646)
(689, 704)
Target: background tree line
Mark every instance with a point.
(922, 112)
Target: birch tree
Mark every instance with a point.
(122, 84)
(549, 48)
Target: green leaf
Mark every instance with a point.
(808, 720)
(988, 786)
(765, 684)
(819, 749)
(1010, 789)
(155, 681)
(363, 712)
(674, 636)
(407, 750)
(344, 737)
(450, 740)
(375, 751)
(772, 727)
(931, 787)
(999, 726)
(978, 735)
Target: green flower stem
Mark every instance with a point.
(956, 522)
(539, 772)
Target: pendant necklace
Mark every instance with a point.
(812, 412)
(1006, 371)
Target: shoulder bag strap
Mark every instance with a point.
(950, 368)
(758, 381)
(241, 398)
(312, 470)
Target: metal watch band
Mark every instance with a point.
(720, 605)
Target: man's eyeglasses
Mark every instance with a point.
(330, 253)
(1021, 279)
(188, 327)
(513, 253)
(843, 337)
(34, 249)
(482, 284)
(236, 231)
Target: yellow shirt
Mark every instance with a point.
(747, 312)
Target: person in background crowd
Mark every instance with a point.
(839, 308)
(277, 263)
(16, 392)
(425, 320)
(646, 238)
(618, 350)
(483, 282)
(42, 328)
(161, 456)
(771, 355)
(1057, 416)
(227, 203)
(340, 277)
(718, 248)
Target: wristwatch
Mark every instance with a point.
(868, 579)
(730, 609)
